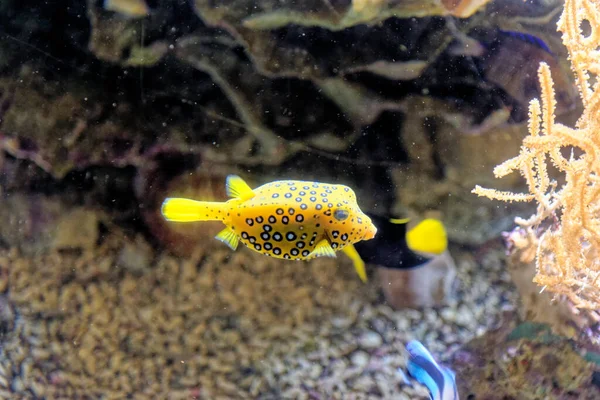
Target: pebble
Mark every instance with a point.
(464, 316)
(449, 314)
(360, 359)
(370, 340)
(341, 322)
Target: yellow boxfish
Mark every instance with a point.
(288, 219)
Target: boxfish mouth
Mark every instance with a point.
(370, 234)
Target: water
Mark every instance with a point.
(108, 108)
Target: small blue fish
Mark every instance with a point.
(526, 37)
(440, 380)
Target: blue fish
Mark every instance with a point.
(526, 37)
(440, 380)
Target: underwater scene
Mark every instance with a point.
(300, 199)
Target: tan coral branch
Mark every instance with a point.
(567, 251)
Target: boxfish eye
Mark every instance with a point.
(340, 214)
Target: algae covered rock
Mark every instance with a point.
(394, 98)
(525, 361)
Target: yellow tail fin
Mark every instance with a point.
(429, 236)
(186, 210)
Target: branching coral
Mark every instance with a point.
(567, 252)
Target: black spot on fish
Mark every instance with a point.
(244, 235)
(300, 245)
(279, 211)
(291, 211)
(277, 237)
(328, 213)
(259, 220)
(303, 206)
(291, 236)
(275, 195)
(346, 189)
(294, 252)
(267, 228)
(265, 236)
(335, 234)
(277, 251)
(285, 220)
(334, 245)
(286, 256)
(268, 246)
(252, 239)
(257, 246)
(272, 219)
(303, 236)
(249, 221)
(305, 253)
(299, 218)
(345, 237)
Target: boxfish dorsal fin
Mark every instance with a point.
(237, 188)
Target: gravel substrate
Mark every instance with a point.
(115, 322)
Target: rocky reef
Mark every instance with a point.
(403, 99)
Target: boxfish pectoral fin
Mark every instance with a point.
(322, 249)
(359, 264)
(236, 187)
(229, 237)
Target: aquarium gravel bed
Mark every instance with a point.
(116, 321)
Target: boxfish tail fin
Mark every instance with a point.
(186, 210)
(429, 236)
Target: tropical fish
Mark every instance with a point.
(293, 220)
(440, 380)
(129, 8)
(396, 247)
